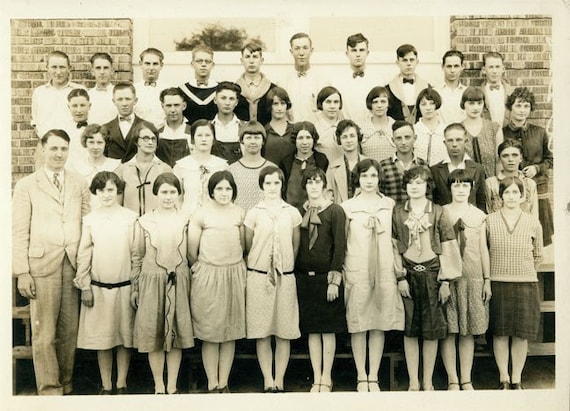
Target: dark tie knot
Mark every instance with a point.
(494, 87)
(408, 80)
(82, 124)
(150, 83)
(202, 83)
(126, 118)
(301, 73)
(358, 74)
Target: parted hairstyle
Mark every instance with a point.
(354, 39)
(376, 92)
(124, 85)
(218, 177)
(509, 181)
(142, 126)
(101, 55)
(300, 36)
(398, 124)
(405, 49)
(58, 53)
(252, 47)
(304, 125)
(455, 126)
(429, 94)
(422, 172)
(152, 50)
(171, 91)
(312, 173)
(166, 178)
(459, 176)
(452, 53)
(228, 85)
(472, 94)
(524, 95)
(90, 132)
(268, 170)
(343, 125)
(100, 181)
(509, 143)
(492, 54)
(55, 132)
(280, 93)
(363, 166)
(325, 93)
(78, 92)
(201, 123)
(252, 127)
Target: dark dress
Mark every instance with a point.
(316, 314)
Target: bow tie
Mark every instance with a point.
(496, 87)
(408, 80)
(202, 83)
(358, 74)
(81, 124)
(126, 118)
(301, 73)
(150, 83)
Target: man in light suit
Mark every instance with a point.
(48, 206)
(122, 144)
(455, 142)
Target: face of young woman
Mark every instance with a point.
(147, 141)
(473, 109)
(252, 143)
(460, 192)
(331, 106)
(107, 196)
(510, 159)
(314, 187)
(272, 187)
(417, 188)
(167, 195)
(203, 139)
(520, 110)
(278, 108)
(349, 140)
(223, 192)
(512, 197)
(95, 146)
(368, 180)
(379, 106)
(427, 108)
(304, 142)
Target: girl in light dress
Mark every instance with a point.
(103, 271)
(216, 240)
(160, 291)
(329, 105)
(272, 235)
(373, 304)
(467, 309)
(377, 132)
(195, 170)
(429, 128)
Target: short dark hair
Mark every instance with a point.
(354, 39)
(166, 178)
(171, 91)
(58, 53)
(300, 36)
(78, 92)
(524, 95)
(492, 54)
(55, 132)
(152, 50)
(472, 94)
(122, 85)
(252, 47)
(402, 123)
(459, 175)
(304, 125)
(343, 125)
(310, 174)
(452, 53)
(219, 176)
(268, 170)
(228, 85)
(363, 166)
(252, 127)
(278, 92)
(101, 55)
(376, 92)
(100, 181)
(325, 93)
(507, 144)
(422, 172)
(93, 129)
(509, 181)
(405, 49)
(454, 126)
(429, 94)
(202, 122)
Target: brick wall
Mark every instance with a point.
(526, 44)
(31, 41)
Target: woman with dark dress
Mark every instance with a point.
(318, 270)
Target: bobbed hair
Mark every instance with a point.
(100, 181)
(218, 177)
(166, 178)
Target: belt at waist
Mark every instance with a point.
(430, 265)
(265, 272)
(110, 285)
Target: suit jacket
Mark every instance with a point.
(337, 179)
(46, 226)
(118, 147)
(442, 193)
(396, 98)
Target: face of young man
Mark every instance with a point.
(511, 158)
(452, 69)
(407, 64)
(102, 70)
(55, 151)
(357, 55)
(173, 107)
(455, 141)
(58, 71)
(79, 108)
(404, 139)
(251, 61)
(226, 101)
(125, 101)
(301, 50)
(202, 64)
(494, 70)
(151, 66)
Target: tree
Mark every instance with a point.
(219, 38)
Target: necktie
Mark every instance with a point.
(301, 73)
(460, 234)
(150, 83)
(82, 124)
(56, 181)
(358, 74)
(311, 221)
(275, 261)
(408, 80)
(494, 87)
(126, 118)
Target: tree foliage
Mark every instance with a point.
(219, 38)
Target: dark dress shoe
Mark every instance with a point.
(122, 391)
(517, 386)
(504, 385)
(224, 390)
(105, 392)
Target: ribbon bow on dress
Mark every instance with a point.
(311, 221)
(416, 226)
(459, 229)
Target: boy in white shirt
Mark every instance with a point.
(149, 88)
(101, 95)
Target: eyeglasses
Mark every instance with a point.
(202, 61)
(146, 139)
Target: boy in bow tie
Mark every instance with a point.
(149, 88)
(495, 88)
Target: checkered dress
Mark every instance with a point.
(391, 179)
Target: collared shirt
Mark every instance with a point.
(125, 126)
(450, 110)
(430, 144)
(409, 93)
(460, 166)
(49, 106)
(354, 91)
(102, 109)
(179, 133)
(77, 153)
(209, 83)
(227, 133)
(148, 106)
(496, 102)
(60, 177)
(303, 93)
